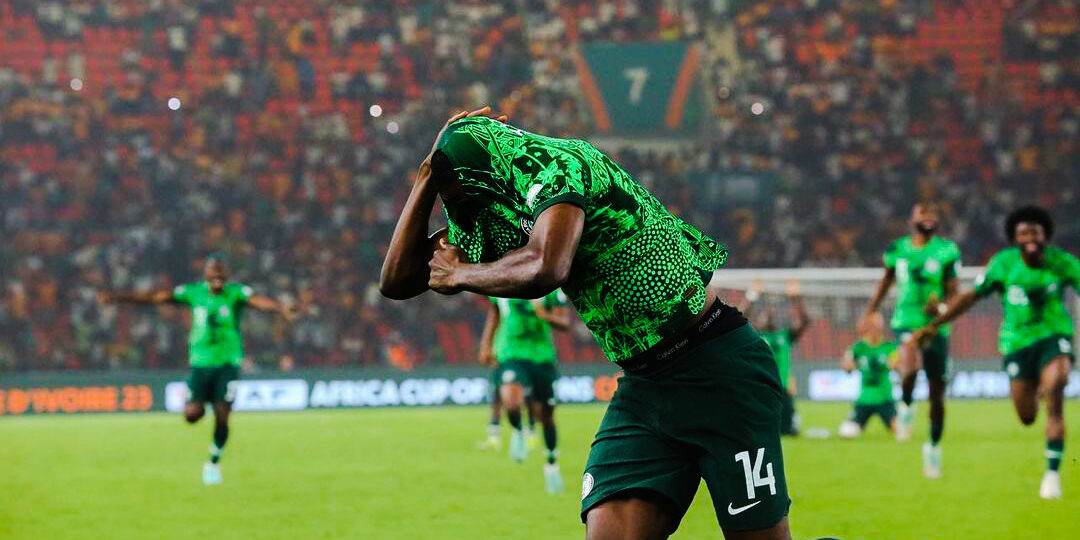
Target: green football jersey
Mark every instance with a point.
(1033, 298)
(872, 361)
(780, 343)
(215, 323)
(522, 335)
(639, 273)
(921, 271)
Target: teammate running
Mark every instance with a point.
(701, 395)
(924, 267)
(780, 340)
(517, 335)
(1037, 331)
(874, 358)
(215, 345)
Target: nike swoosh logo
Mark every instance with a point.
(741, 509)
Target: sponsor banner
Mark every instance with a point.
(249, 395)
(838, 385)
(137, 391)
(16, 401)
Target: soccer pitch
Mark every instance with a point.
(416, 473)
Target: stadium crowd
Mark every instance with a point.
(297, 127)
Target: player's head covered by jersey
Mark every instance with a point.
(1030, 228)
(215, 272)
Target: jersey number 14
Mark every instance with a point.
(753, 473)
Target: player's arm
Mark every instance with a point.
(800, 319)
(881, 292)
(532, 271)
(950, 288)
(405, 271)
(151, 298)
(265, 303)
(848, 362)
(487, 338)
(959, 305)
(557, 316)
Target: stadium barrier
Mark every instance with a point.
(141, 391)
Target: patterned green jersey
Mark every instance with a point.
(780, 343)
(921, 272)
(521, 334)
(215, 323)
(1033, 298)
(872, 361)
(639, 273)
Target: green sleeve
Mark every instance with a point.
(556, 298)
(952, 266)
(560, 181)
(244, 293)
(889, 258)
(992, 280)
(1072, 271)
(182, 294)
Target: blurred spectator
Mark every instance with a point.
(278, 156)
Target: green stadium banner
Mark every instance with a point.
(642, 88)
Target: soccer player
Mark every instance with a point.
(781, 340)
(517, 334)
(924, 267)
(1037, 331)
(701, 395)
(874, 358)
(215, 345)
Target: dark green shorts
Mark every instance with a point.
(935, 355)
(863, 413)
(213, 384)
(538, 379)
(1028, 363)
(542, 383)
(713, 413)
(512, 372)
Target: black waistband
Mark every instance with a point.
(717, 320)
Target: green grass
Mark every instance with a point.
(414, 473)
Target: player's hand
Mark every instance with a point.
(105, 298)
(443, 265)
(920, 337)
(931, 307)
(290, 312)
(486, 110)
(847, 364)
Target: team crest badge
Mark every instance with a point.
(527, 226)
(586, 485)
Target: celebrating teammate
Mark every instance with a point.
(924, 267)
(1037, 331)
(701, 395)
(780, 340)
(517, 337)
(874, 358)
(215, 345)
